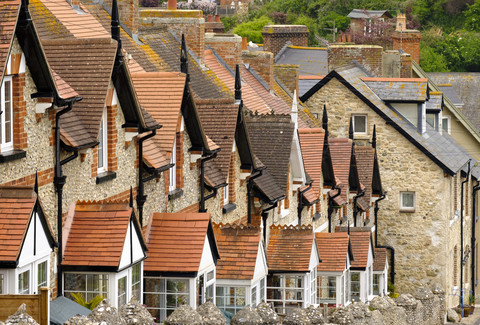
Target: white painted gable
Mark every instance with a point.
(131, 245)
(370, 255)
(314, 257)
(35, 245)
(207, 257)
(261, 269)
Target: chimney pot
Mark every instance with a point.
(172, 5)
(217, 18)
(244, 44)
(210, 18)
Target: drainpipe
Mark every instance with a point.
(355, 208)
(474, 239)
(141, 197)
(300, 203)
(59, 181)
(390, 248)
(330, 207)
(250, 194)
(203, 198)
(264, 219)
(461, 234)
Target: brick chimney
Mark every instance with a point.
(401, 22)
(397, 65)
(409, 41)
(128, 14)
(275, 36)
(228, 46)
(262, 63)
(369, 56)
(191, 23)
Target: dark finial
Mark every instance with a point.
(115, 27)
(350, 129)
(130, 204)
(35, 186)
(348, 227)
(183, 57)
(374, 137)
(238, 84)
(325, 119)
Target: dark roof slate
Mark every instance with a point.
(311, 60)
(363, 13)
(399, 89)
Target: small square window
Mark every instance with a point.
(446, 124)
(407, 201)
(359, 124)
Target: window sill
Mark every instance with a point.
(229, 207)
(175, 194)
(407, 210)
(12, 155)
(105, 177)
(361, 136)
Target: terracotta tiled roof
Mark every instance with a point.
(380, 260)
(333, 249)
(73, 60)
(8, 20)
(341, 151)
(64, 89)
(47, 24)
(175, 242)
(238, 246)
(268, 187)
(310, 196)
(365, 156)
(190, 209)
(311, 143)
(97, 234)
(153, 155)
(290, 248)
(271, 139)
(78, 21)
(361, 241)
(219, 121)
(16, 208)
(161, 94)
(250, 97)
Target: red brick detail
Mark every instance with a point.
(262, 63)
(180, 159)
(95, 162)
(166, 176)
(369, 56)
(455, 266)
(231, 179)
(44, 177)
(287, 198)
(128, 11)
(112, 138)
(19, 112)
(406, 66)
(229, 48)
(276, 36)
(408, 41)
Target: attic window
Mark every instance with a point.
(360, 124)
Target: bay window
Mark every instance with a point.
(164, 295)
(355, 286)
(231, 299)
(286, 292)
(326, 289)
(88, 285)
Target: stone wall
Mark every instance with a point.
(419, 237)
(369, 56)
(276, 36)
(262, 63)
(227, 46)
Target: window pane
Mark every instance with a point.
(445, 122)
(431, 120)
(88, 285)
(24, 282)
(360, 123)
(136, 278)
(42, 274)
(407, 200)
(8, 111)
(122, 291)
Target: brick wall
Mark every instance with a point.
(214, 27)
(408, 41)
(275, 36)
(228, 46)
(180, 159)
(288, 75)
(188, 22)
(369, 56)
(128, 11)
(262, 63)
(19, 112)
(112, 138)
(44, 177)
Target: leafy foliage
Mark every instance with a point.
(252, 30)
(80, 299)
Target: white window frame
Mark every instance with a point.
(172, 173)
(354, 297)
(447, 120)
(107, 280)
(365, 124)
(102, 150)
(403, 207)
(221, 301)
(283, 304)
(226, 191)
(35, 273)
(163, 308)
(328, 300)
(20, 271)
(6, 146)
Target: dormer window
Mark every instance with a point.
(6, 118)
(359, 124)
(102, 149)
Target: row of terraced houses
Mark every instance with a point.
(143, 156)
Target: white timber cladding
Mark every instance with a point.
(314, 256)
(261, 267)
(206, 262)
(132, 249)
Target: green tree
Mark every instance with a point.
(252, 30)
(472, 16)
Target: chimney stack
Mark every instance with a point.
(172, 5)
(401, 22)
